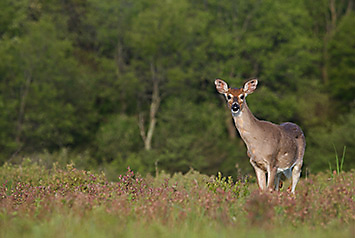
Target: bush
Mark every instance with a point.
(35, 200)
(322, 141)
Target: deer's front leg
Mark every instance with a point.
(271, 174)
(260, 176)
(277, 182)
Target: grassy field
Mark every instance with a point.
(39, 202)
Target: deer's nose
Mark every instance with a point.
(235, 107)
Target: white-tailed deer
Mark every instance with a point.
(273, 149)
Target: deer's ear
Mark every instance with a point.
(221, 86)
(250, 86)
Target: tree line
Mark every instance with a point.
(130, 82)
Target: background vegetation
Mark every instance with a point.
(111, 84)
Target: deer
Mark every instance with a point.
(275, 150)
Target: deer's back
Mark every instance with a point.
(292, 129)
(277, 145)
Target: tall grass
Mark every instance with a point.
(67, 202)
(339, 165)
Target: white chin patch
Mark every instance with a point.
(237, 113)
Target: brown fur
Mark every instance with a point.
(273, 149)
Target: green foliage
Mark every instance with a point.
(183, 148)
(12, 18)
(47, 92)
(118, 137)
(64, 202)
(62, 157)
(33, 174)
(323, 140)
(76, 80)
(239, 188)
(339, 165)
(342, 58)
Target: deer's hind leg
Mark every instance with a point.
(278, 182)
(296, 171)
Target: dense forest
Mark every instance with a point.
(111, 84)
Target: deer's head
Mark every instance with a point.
(236, 96)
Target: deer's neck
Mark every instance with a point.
(246, 123)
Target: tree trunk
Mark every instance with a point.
(119, 58)
(154, 106)
(349, 7)
(21, 114)
(330, 27)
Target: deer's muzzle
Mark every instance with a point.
(235, 107)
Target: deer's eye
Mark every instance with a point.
(241, 96)
(229, 97)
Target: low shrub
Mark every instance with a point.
(36, 195)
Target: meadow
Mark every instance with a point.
(67, 202)
(111, 84)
